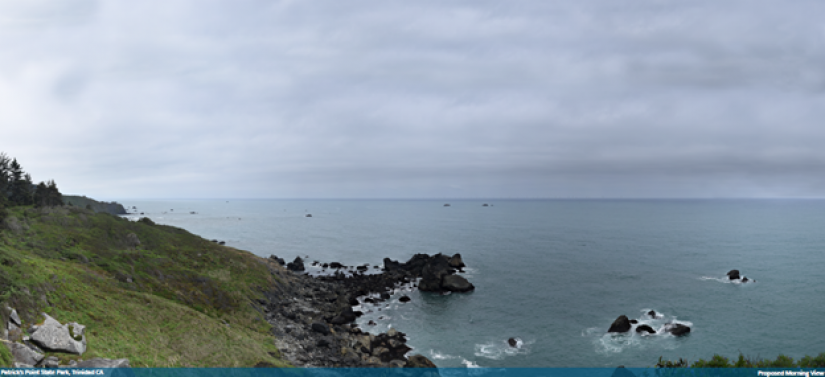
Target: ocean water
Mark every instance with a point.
(556, 273)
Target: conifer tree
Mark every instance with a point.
(55, 197)
(41, 195)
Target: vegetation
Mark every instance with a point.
(154, 294)
(718, 361)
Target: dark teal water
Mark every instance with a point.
(556, 273)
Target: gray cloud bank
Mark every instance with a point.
(393, 99)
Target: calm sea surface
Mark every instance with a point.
(556, 273)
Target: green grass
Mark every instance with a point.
(719, 361)
(74, 265)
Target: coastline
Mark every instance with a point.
(312, 317)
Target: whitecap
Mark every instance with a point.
(469, 364)
(497, 350)
(441, 356)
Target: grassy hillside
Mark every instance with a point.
(84, 202)
(172, 300)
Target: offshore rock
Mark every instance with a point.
(456, 262)
(645, 328)
(678, 329)
(455, 283)
(621, 324)
(733, 274)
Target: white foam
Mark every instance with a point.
(441, 356)
(497, 350)
(469, 364)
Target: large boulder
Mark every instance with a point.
(53, 336)
(433, 272)
(621, 324)
(455, 283)
(25, 354)
(103, 363)
(678, 329)
(296, 265)
(456, 262)
(733, 274)
(391, 265)
(419, 361)
(14, 318)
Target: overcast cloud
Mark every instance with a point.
(401, 99)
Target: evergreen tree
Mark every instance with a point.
(55, 197)
(41, 195)
(20, 188)
(4, 174)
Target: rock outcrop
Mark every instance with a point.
(52, 336)
(621, 324)
(56, 337)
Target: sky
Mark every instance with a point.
(416, 99)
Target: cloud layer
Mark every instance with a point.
(416, 99)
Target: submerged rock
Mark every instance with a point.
(645, 328)
(621, 324)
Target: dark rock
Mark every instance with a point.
(323, 342)
(456, 262)
(385, 296)
(678, 329)
(621, 324)
(455, 283)
(633, 321)
(513, 342)
(336, 265)
(404, 298)
(391, 265)
(485, 205)
(733, 274)
(652, 313)
(371, 323)
(309, 215)
(419, 361)
(745, 279)
(320, 328)
(296, 265)
(432, 274)
(645, 328)
(222, 243)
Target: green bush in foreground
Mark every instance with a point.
(719, 361)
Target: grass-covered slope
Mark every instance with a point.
(172, 300)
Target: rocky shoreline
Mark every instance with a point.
(313, 319)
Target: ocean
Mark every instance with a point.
(556, 273)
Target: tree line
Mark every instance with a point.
(18, 189)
